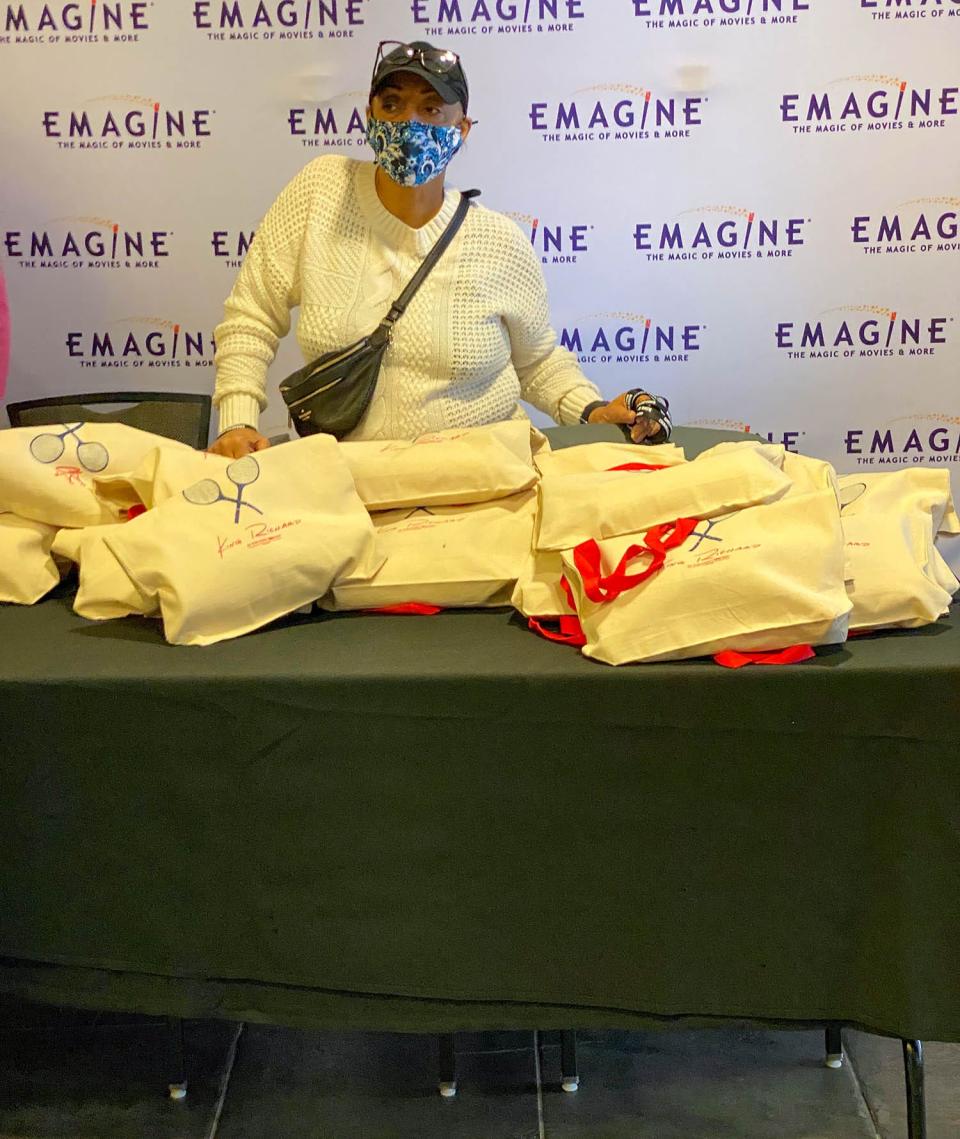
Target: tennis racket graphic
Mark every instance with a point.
(49, 446)
(241, 473)
(851, 493)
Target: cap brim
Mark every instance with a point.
(446, 93)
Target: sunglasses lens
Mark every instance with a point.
(439, 61)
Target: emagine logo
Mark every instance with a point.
(617, 112)
(682, 14)
(140, 342)
(720, 233)
(556, 243)
(789, 440)
(128, 122)
(925, 437)
(497, 17)
(862, 332)
(922, 225)
(906, 10)
(631, 338)
(106, 21)
(340, 123)
(278, 20)
(230, 246)
(872, 103)
(86, 243)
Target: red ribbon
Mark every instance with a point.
(730, 658)
(569, 631)
(656, 542)
(408, 608)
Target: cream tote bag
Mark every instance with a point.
(48, 473)
(229, 554)
(807, 474)
(160, 474)
(605, 504)
(538, 592)
(459, 466)
(756, 580)
(586, 458)
(891, 522)
(445, 555)
(27, 568)
(104, 590)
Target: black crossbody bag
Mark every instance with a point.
(332, 393)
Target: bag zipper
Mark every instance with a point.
(336, 360)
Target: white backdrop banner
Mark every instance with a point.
(749, 206)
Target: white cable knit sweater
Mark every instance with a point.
(475, 339)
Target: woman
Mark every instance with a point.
(342, 241)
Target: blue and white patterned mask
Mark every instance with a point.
(412, 153)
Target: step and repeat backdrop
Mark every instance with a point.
(750, 206)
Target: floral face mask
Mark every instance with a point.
(412, 153)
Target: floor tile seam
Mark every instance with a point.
(225, 1081)
(541, 1126)
(861, 1093)
(497, 1051)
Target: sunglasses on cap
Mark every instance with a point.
(436, 60)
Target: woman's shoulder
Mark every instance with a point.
(330, 171)
(497, 226)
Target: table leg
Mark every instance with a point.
(448, 1066)
(176, 1064)
(833, 1047)
(570, 1078)
(916, 1106)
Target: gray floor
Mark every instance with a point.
(101, 1076)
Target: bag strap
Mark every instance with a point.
(399, 306)
(793, 654)
(656, 543)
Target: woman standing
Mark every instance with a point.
(344, 238)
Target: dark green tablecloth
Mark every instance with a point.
(446, 822)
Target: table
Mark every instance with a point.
(447, 822)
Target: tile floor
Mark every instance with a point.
(75, 1075)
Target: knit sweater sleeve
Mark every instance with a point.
(257, 311)
(550, 377)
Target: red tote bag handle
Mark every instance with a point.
(568, 630)
(794, 654)
(656, 542)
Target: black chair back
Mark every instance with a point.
(177, 415)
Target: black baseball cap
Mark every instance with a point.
(440, 68)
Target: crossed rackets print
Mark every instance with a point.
(241, 472)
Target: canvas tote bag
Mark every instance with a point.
(586, 457)
(459, 466)
(758, 579)
(229, 554)
(445, 556)
(630, 499)
(160, 474)
(537, 592)
(890, 522)
(806, 473)
(47, 473)
(104, 590)
(28, 570)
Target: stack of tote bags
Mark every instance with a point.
(637, 553)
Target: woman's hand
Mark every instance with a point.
(237, 442)
(616, 411)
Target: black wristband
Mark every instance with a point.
(591, 408)
(238, 427)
